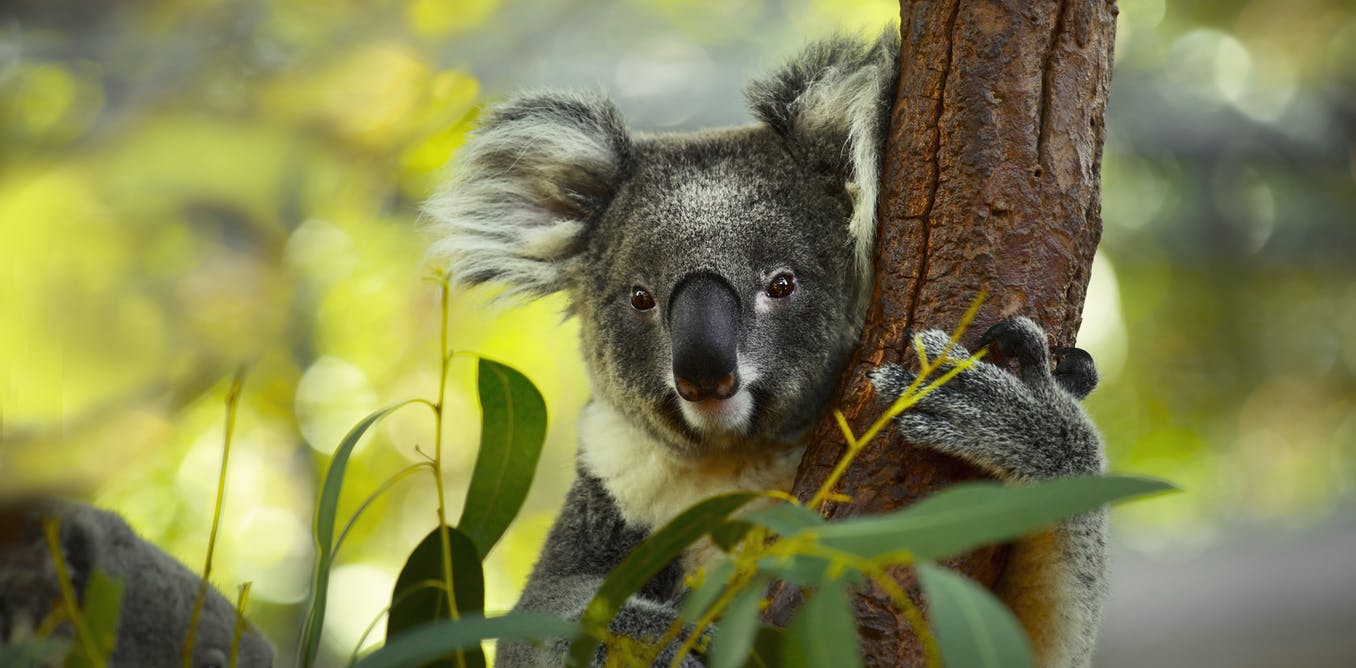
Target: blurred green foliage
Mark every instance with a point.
(188, 186)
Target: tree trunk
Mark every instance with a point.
(991, 182)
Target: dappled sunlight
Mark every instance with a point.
(1103, 330)
(188, 189)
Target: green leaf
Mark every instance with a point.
(805, 570)
(800, 569)
(974, 514)
(416, 600)
(698, 600)
(325, 511)
(824, 632)
(738, 627)
(767, 649)
(34, 652)
(101, 609)
(650, 557)
(727, 535)
(432, 640)
(787, 519)
(512, 431)
(971, 626)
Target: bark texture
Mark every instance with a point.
(991, 183)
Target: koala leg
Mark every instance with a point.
(588, 540)
(1024, 426)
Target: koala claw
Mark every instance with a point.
(1024, 342)
(1075, 371)
(1018, 339)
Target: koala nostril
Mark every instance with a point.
(687, 389)
(726, 386)
(722, 388)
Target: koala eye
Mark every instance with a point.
(641, 299)
(781, 286)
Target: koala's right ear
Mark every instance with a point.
(524, 190)
(834, 99)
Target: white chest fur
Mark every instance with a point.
(651, 485)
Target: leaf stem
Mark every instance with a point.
(239, 631)
(371, 498)
(51, 529)
(911, 395)
(400, 598)
(444, 361)
(232, 404)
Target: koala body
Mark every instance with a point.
(157, 597)
(720, 279)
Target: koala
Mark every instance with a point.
(1024, 427)
(720, 280)
(157, 597)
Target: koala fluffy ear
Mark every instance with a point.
(834, 100)
(523, 191)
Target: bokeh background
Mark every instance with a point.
(186, 187)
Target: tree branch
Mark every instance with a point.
(991, 182)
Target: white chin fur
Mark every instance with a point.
(719, 416)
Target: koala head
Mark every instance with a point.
(718, 276)
(157, 596)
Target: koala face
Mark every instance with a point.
(719, 277)
(716, 291)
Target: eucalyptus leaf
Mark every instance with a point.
(646, 560)
(973, 629)
(767, 649)
(823, 632)
(101, 608)
(512, 431)
(323, 531)
(727, 535)
(981, 513)
(805, 570)
(787, 519)
(698, 600)
(417, 600)
(432, 640)
(34, 652)
(738, 627)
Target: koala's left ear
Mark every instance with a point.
(524, 190)
(833, 101)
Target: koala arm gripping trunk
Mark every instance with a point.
(1025, 426)
(587, 541)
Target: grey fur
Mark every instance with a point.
(158, 591)
(585, 544)
(525, 187)
(1023, 427)
(553, 194)
(1019, 427)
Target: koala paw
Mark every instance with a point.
(1022, 425)
(1023, 342)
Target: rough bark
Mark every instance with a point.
(991, 183)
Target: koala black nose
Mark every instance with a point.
(703, 331)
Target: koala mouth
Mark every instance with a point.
(733, 415)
